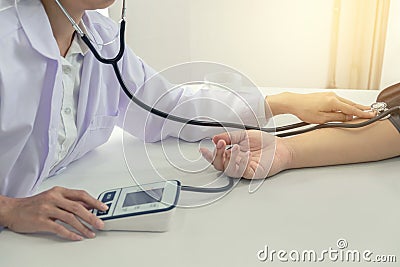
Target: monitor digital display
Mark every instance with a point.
(143, 197)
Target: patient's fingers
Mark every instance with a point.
(218, 161)
(207, 154)
(237, 163)
(248, 172)
(242, 168)
(231, 138)
(223, 136)
(218, 157)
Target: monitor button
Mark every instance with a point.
(109, 196)
(102, 213)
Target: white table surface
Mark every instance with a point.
(298, 209)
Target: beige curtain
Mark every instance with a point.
(358, 43)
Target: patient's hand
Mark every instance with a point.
(254, 154)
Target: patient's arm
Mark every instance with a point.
(340, 146)
(378, 141)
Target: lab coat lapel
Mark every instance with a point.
(88, 92)
(90, 82)
(37, 28)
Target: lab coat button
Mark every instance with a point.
(66, 69)
(67, 111)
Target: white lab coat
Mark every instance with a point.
(31, 93)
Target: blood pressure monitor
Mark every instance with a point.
(146, 207)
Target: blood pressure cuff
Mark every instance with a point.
(395, 120)
(391, 96)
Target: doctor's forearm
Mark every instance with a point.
(341, 146)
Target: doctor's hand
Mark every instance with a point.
(40, 212)
(254, 154)
(317, 108)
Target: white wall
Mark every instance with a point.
(391, 69)
(157, 30)
(283, 43)
(277, 43)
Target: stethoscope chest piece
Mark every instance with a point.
(379, 108)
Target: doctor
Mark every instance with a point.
(57, 102)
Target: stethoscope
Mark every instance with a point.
(380, 107)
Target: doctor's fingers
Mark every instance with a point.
(351, 103)
(83, 196)
(76, 209)
(350, 110)
(61, 231)
(70, 219)
(334, 116)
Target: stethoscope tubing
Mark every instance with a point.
(114, 63)
(381, 116)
